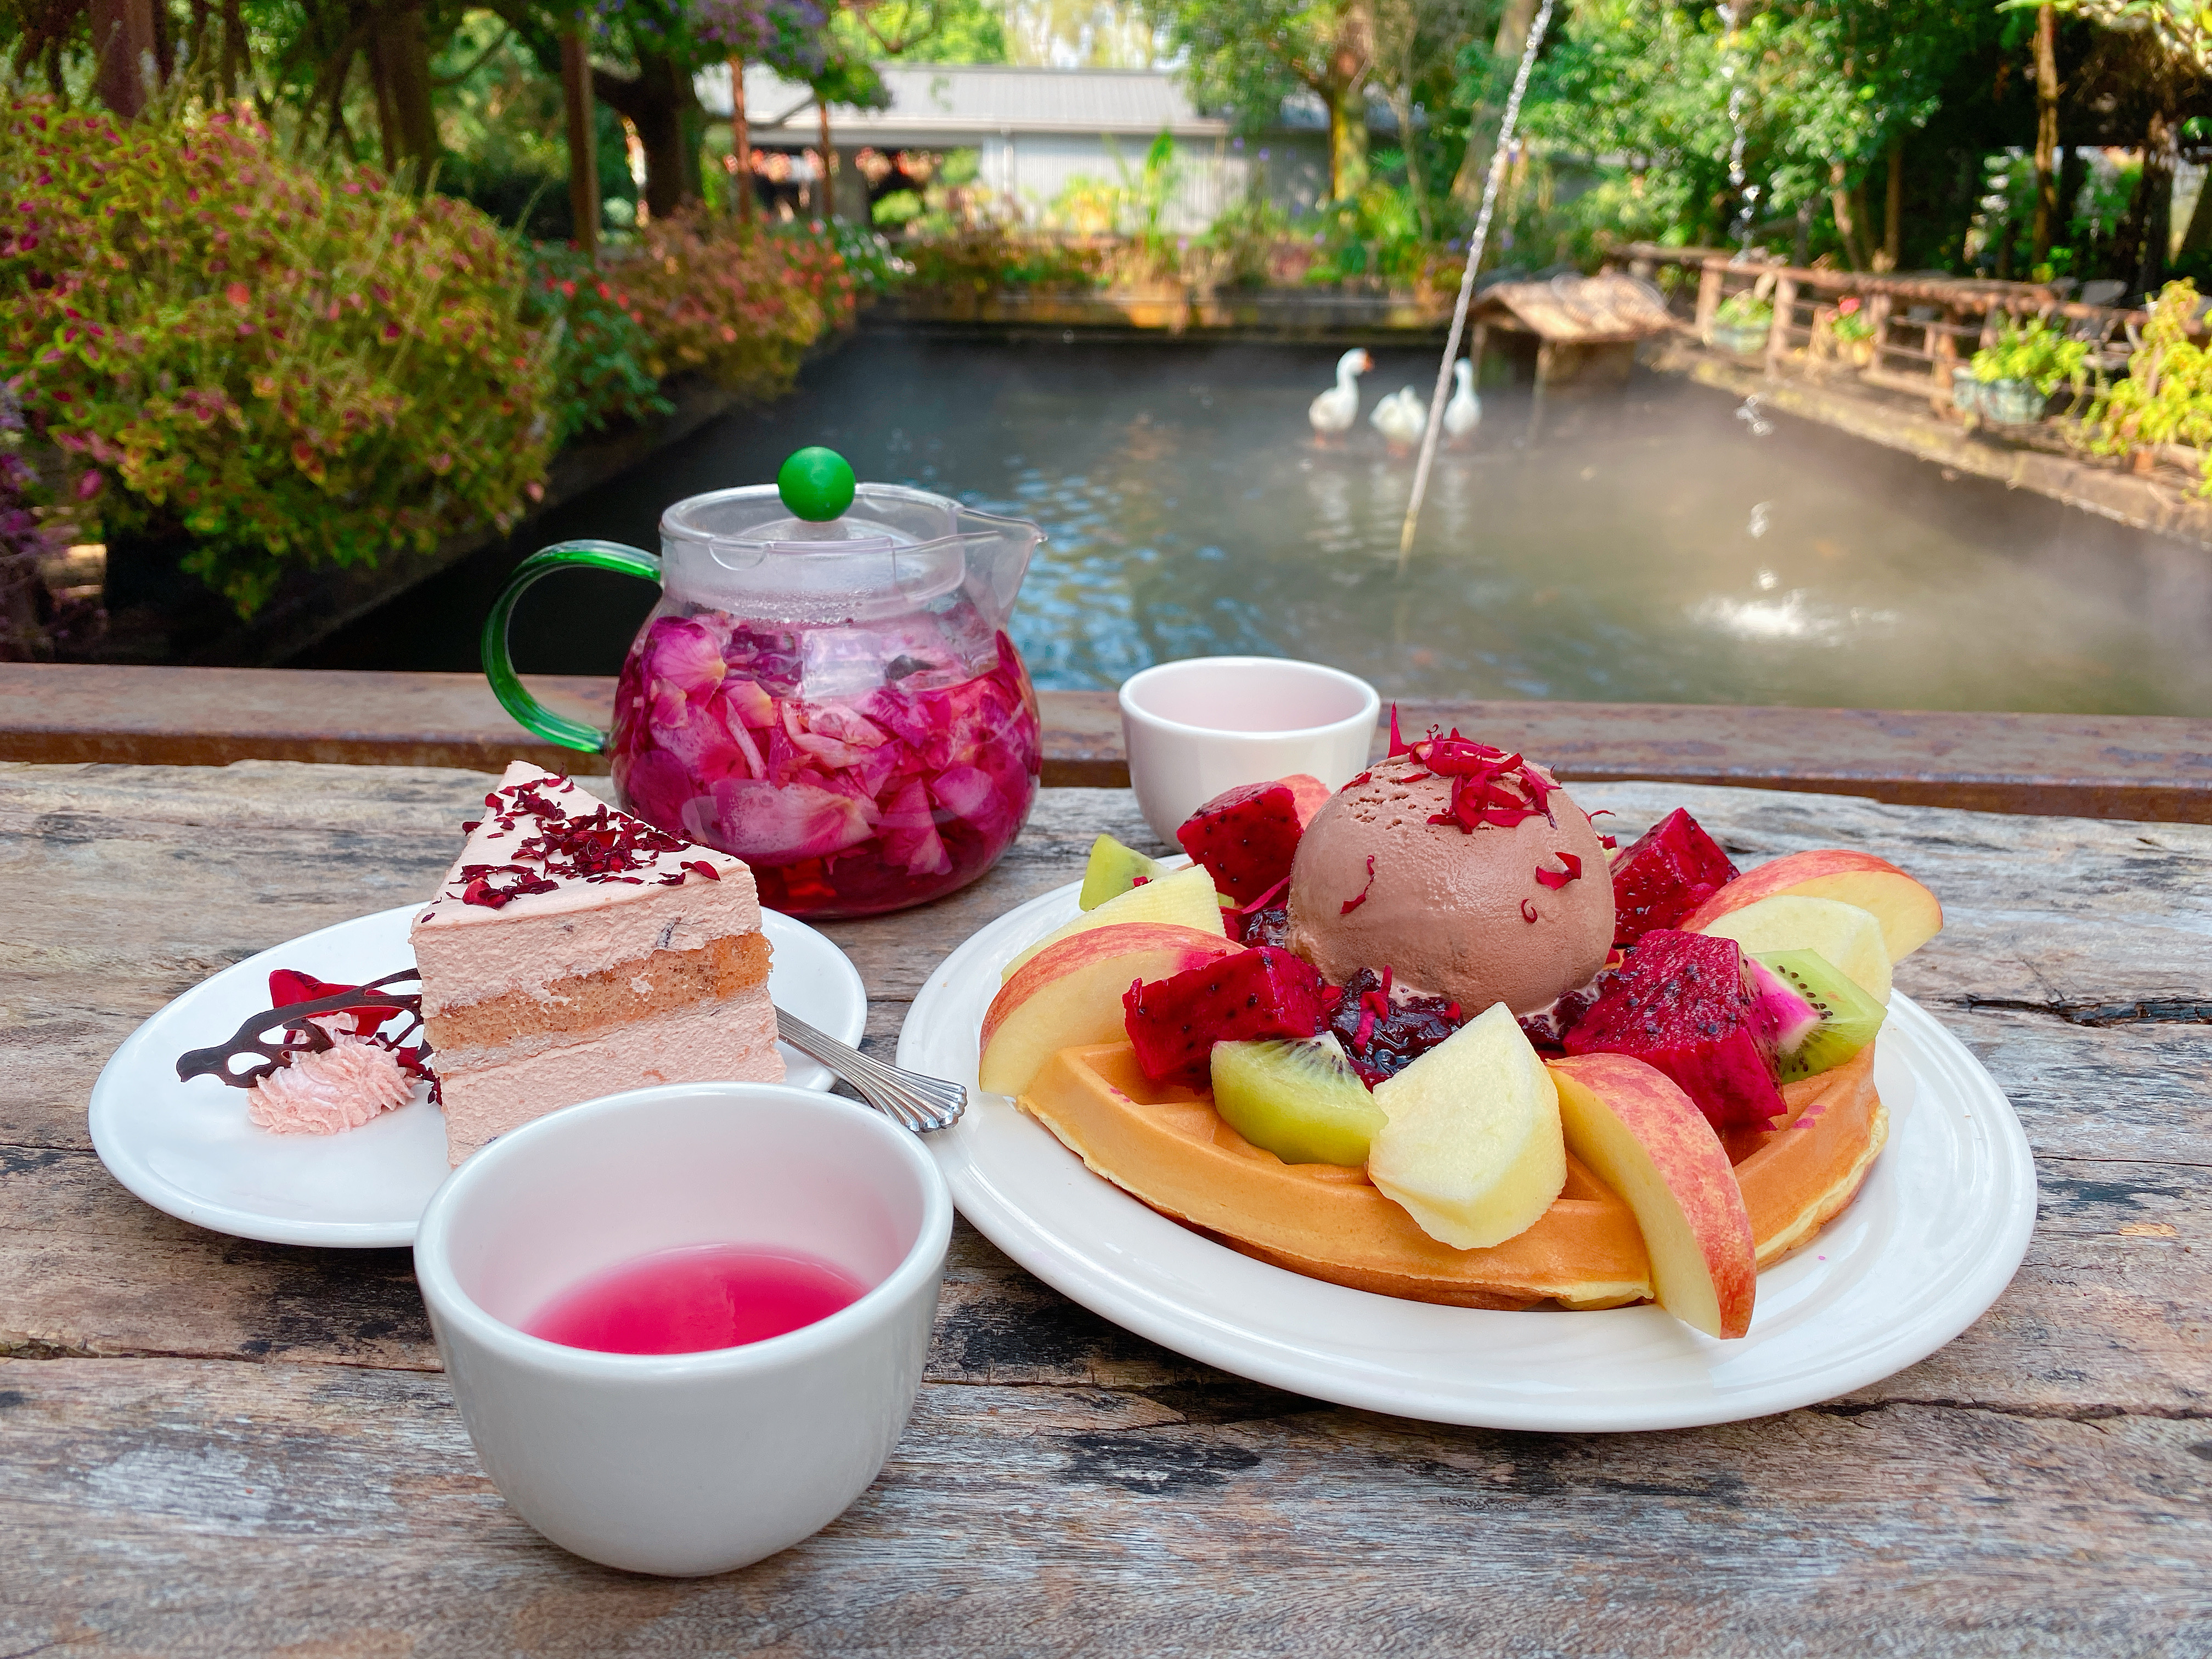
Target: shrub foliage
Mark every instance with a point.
(740, 305)
(285, 362)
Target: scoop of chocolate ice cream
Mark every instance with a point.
(1457, 912)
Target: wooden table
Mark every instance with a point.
(213, 1446)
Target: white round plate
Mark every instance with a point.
(1932, 1239)
(187, 1148)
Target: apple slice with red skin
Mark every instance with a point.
(1645, 1139)
(1909, 914)
(1070, 993)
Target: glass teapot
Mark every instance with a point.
(826, 689)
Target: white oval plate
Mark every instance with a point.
(188, 1148)
(1933, 1238)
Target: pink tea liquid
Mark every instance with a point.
(695, 1297)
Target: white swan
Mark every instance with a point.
(1400, 419)
(1335, 409)
(1464, 412)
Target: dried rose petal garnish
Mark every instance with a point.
(1360, 897)
(1555, 879)
(601, 845)
(1489, 786)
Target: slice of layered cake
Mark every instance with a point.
(575, 952)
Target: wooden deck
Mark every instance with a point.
(215, 1447)
(2080, 765)
(1897, 391)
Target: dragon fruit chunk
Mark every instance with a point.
(1672, 869)
(1686, 1004)
(1246, 836)
(1174, 1023)
(1785, 1016)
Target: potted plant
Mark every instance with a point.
(1852, 330)
(1740, 324)
(2015, 378)
(2164, 406)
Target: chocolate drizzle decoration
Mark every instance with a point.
(275, 1034)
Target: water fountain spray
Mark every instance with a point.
(1489, 189)
(1748, 194)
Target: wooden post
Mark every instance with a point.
(1709, 295)
(1943, 355)
(741, 140)
(1786, 313)
(1878, 308)
(1476, 345)
(583, 138)
(829, 208)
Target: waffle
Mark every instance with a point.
(1166, 1146)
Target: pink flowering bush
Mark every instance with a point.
(738, 304)
(284, 363)
(846, 803)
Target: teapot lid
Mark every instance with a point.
(816, 542)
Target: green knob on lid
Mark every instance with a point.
(816, 483)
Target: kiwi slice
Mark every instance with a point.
(1299, 1099)
(1849, 1017)
(1114, 870)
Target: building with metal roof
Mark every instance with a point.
(1037, 130)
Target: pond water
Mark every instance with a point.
(1664, 545)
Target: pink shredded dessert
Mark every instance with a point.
(324, 1094)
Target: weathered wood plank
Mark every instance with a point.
(2107, 1316)
(271, 1467)
(2101, 766)
(185, 1507)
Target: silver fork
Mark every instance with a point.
(921, 1103)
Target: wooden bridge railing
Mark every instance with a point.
(1922, 327)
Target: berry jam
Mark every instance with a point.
(1381, 1033)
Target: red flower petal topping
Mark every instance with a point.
(1555, 879)
(1360, 898)
(598, 846)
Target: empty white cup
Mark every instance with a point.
(688, 1463)
(1192, 729)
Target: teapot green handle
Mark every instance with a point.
(507, 685)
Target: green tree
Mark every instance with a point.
(923, 31)
(1828, 93)
(1247, 56)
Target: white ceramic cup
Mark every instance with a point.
(692, 1463)
(1192, 729)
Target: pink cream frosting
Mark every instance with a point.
(339, 1089)
(489, 1092)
